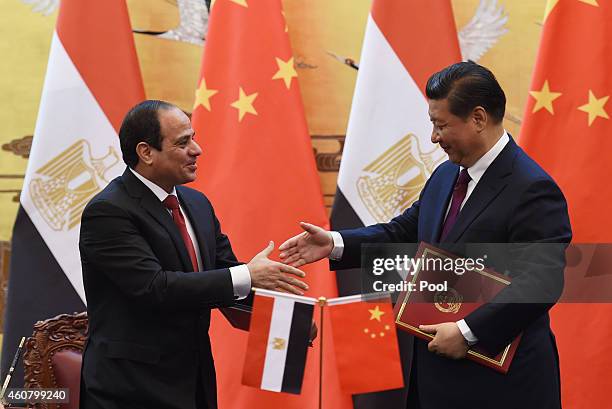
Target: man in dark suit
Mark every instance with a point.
(155, 262)
(489, 191)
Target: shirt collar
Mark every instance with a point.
(479, 168)
(159, 192)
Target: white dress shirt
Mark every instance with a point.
(476, 171)
(241, 277)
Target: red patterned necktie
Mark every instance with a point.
(459, 193)
(172, 203)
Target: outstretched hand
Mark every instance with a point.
(313, 244)
(272, 275)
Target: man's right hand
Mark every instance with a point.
(313, 244)
(272, 275)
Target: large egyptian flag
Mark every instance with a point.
(567, 130)
(92, 80)
(388, 154)
(259, 171)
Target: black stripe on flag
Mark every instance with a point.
(297, 347)
(344, 217)
(37, 289)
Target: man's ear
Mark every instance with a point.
(145, 153)
(480, 118)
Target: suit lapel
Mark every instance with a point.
(490, 185)
(156, 209)
(193, 213)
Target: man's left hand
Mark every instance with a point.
(448, 340)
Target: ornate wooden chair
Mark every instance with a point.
(53, 355)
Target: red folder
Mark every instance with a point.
(463, 294)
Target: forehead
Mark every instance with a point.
(438, 109)
(174, 123)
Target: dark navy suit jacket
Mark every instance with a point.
(515, 201)
(149, 313)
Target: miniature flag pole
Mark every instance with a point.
(322, 301)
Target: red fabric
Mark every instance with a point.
(171, 202)
(97, 36)
(258, 340)
(365, 343)
(404, 23)
(258, 169)
(573, 61)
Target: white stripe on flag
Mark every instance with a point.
(68, 114)
(280, 327)
(387, 106)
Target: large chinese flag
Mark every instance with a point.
(568, 131)
(259, 172)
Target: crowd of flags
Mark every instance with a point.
(259, 172)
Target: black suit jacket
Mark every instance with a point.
(515, 201)
(148, 344)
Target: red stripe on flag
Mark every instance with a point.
(97, 36)
(259, 332)
(422, 34)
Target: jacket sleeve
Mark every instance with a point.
(401, 229)
(111, 244)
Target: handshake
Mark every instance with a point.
(313, 244)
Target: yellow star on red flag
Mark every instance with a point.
(376, 313)
(203, 95)
(286, 71)
(242, 3)
(544, 98)
(244, 104)
(595, 107)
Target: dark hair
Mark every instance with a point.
(468, 85)
(141, 124)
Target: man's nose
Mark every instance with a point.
(195, 149)
(435, 137)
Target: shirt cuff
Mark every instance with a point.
(241, 279)
(336, 253)
(467, 333)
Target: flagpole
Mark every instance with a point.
(322, 302)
